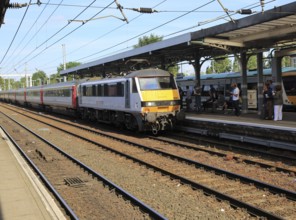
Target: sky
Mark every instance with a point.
(43, 36)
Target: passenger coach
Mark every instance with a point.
(62, 96)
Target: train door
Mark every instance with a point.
(41, 96)
(80, 94)
(127, 94)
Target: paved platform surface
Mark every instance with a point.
(252, 118)
(22, 196)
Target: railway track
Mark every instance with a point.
(281, 163)
(237, 191)
(66, 176)
(274, 160)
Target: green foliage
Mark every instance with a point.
(1, 83)
(68, 66)
(252, 63)
(286, 61)
(55, 77)
(174, 70)
(145, 40)
(235, 65)
(219, 65)
(39, 77)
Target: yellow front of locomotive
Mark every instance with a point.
(160, 101)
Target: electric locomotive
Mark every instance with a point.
(144, 100)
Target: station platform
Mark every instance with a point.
(248, 127)
(22, 195)
(252, 118)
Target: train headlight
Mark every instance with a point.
(149, 104)
(175, 102)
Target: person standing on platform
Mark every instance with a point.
(271, 85)
(278, 103)
(188, 98)
(197, 95)
(268, 102)
(235, 98)
(181, 93)
(264, 110)
(213, 93)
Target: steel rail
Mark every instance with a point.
(63, 203)
(153, 213)
(264, 165)
(237, 203)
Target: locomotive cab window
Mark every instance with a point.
(157, 83)
(134, 86)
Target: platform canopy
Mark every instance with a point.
(275, 28)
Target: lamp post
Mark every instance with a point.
(64, 59)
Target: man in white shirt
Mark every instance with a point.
(235, 98)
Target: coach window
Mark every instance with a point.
(89, 91)
(120, 89)
(94, 92)
(112, 90)
(84, 90)
(106, 90)
(99, 90)
(67, 92)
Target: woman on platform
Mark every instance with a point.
(278, 103)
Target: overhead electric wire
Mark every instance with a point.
(115, 8)
(42, 26)
(78, 49)
(254, 5)
(148, 30)
(220, 17)
(16, 32)
(28, 31)
(66, 34)
(43, 43)
(133, 37)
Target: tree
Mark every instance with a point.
(68, 66)
(39, 77)
(252, 63)
(173, 70)
(54, 77)
(235, 65)
(145, 40)
(219, 65)
(1, 83)
(286, 61)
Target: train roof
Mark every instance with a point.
(60, 85)
(233, 74)
(148, 73)
(137, 73)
